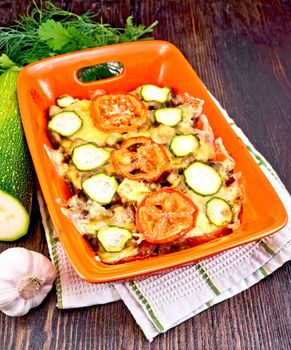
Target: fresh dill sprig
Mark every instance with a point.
(49, 30)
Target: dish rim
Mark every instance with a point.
(92, 270)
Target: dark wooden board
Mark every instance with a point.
(241, 50)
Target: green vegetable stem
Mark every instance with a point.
(49, 30)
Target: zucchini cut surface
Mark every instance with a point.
(65, 123)
(65, 101)
(168, 116)
(14, 219)
(218, 211)
(153, 93)
(88, 156)
(182, 145)
(202, 178)
(101, 188)
(113, 238)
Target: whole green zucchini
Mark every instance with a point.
(16, 171)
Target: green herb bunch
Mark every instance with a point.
(49, 30)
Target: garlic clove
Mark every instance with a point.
(26, 277)
(19, 308)
(46, 270)
(8, 293)
(18, 261)
(37, 300)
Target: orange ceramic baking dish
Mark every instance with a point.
(155, 62)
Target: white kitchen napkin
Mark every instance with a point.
(161, 302)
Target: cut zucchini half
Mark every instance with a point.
(101, 188)
(182, 145)
(65, 101)
(65, 123)
(218, 211)
(153, 93)
(89, 157)
(202, 178)
(113, 238)
(14, 219)
(168, 116)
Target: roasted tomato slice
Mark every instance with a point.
(165, 215)
(140, 158)
(118, 112)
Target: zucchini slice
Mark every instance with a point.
(113, 238)
(65, 123)
(153, 93)
(89, 157)
(101, 187)
(202, 178)
(168, 116)
(182, 145)
(65, 101)
(218, 211)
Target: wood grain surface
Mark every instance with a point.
(241, 50)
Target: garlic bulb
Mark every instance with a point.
(26, 277)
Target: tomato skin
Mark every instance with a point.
(118, 112)
(141, 155)
(165, 216)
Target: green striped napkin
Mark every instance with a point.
(161, 302)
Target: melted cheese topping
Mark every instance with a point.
(90, 216)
